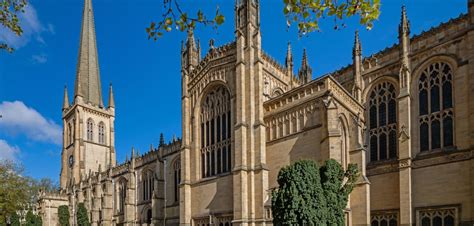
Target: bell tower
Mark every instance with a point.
(88, 126)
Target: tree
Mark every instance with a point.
(13, 190)
(312, 195)
(63, 213)
(9, 10)
(81, 217)
(304, 13)
(15, 220)
(33, 219)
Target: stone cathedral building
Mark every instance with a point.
(405, 115)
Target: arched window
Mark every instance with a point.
(90, 129)
(70, 138)
(216, 157)
(383, 122)
(435, 102)
(101, 133)
(343, 141)
(122, 195)
(177, 178)
(147, 185)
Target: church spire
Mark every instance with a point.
(357, 58)
(87, 85)
(66, 99)
(305, 72)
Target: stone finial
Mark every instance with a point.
(305, 73)
(162, 140)
(404, 28)
(357, 64)
(111, 97)
(289, 58)
(66, 99)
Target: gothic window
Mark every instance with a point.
(90, 129)
(122, 194)
(446, 216)
(70, 138)
(384, 218)
(435, 103)
(177, 178)
(101, 133)
(383, 122)
(147, 185)
(216, 133)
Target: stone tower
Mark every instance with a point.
(88, 126)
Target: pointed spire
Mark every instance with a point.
(66, 99)
(162, 140)
(404, 27)
(191, 42)
(133, 153)
(111, 97)
(357, 60)
(87, 85)
(289, 58)
(305, 73)
(404, 44)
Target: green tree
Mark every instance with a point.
(63, 213)
(9, 11)
(13, 190)
(33, 219)
(312, 195)
(15, 220)
(82, 217)
(304, 13)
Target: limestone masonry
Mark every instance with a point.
(405, 115)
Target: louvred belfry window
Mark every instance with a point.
(383, 122)
(435, 105)
(216, 157)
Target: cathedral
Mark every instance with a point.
(404, 115)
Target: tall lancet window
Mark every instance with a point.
(177, 179)
(90, 129)
(435, 102)
(216, 157)
(70, 138)
(383, 122)
(147, 185)
(101, 133)
(122, 195)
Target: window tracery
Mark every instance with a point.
(216, 157)
(435, 105)
(101, 133)
(383, 122)
(90, 129)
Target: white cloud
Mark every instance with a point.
(32, 29)
(40, 59)
(8, 152)
(17, 118)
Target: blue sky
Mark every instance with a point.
(146, 74)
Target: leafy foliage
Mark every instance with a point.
(15, 220)
(9, 10)
(33, 219)
(174, 17)
(82, 217)
(13, 190)
(63, 213)
(18, 192)
(304, 13)
(312, 195)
